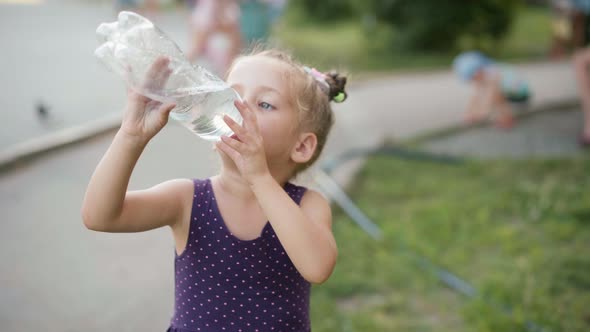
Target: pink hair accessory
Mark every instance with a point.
(318, 76)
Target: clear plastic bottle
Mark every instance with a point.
(132, 44)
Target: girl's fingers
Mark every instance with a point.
(166, 109)
(130, 92)
(156, 68)
(234, 144)
(235, 127)
(162, 78)
(247, 114)
(241, 106)
(233, 154)
(157, 74)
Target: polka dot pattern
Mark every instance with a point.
(223, 283)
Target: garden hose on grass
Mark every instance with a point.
(329, 165)
(337, 194)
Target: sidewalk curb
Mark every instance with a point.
(549, 106)
(37, 147)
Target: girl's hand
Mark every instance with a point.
(246, 146)
(145, 117)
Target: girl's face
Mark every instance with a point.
(263, 83)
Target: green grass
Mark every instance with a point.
(530, 36)
(347, 45)
(518, 231)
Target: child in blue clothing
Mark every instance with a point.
(248, 242)
(496, 87)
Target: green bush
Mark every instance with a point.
(326, 10)
(427, 25)
(424, 25)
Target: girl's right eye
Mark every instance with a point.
(266, 106)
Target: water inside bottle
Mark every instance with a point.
(131, 46)
(203, 115)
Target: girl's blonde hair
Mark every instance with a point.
(310, 99)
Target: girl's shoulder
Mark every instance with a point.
(317, 207)
(171, 188)
(314, 197)
(304, 191)
(180, 184)
(181, 189)
(198, 185)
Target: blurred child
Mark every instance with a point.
(497, 86)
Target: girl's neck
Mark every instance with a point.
(231, 181)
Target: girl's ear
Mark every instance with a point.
(304, 148)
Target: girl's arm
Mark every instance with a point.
(107, 205)
(305, 232)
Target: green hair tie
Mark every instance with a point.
(340, 97)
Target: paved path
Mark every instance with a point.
(543, 135)
(47, 57)
(56, 275)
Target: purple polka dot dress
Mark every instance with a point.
(223, 283)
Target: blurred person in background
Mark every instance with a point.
(148, 8)
(581, 63)
(497, 88)
(580, 20)
(277, 7)
(151, 7)
(580, 10)
(215, 33)
(220, 29)
(570, 26)
(257, 19)
(121, 5)
(561, 27)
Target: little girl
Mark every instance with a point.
(248, 242)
